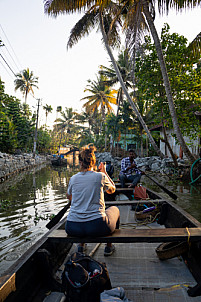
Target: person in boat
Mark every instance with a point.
(109, 168)
(88, 216)
(128, 167)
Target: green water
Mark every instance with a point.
(30, 198)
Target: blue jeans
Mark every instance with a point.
(134, 179)
(97, 227)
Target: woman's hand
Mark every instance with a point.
(102, 167)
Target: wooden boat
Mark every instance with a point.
(134, 265)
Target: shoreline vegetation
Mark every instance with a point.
(12, 164)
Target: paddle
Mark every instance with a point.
(58, 217)
(171, 194)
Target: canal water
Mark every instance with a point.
(28, 200)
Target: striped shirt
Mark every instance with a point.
(126, 163)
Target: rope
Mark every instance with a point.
(189, 235)
(191, 173)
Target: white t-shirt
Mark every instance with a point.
(87, 189)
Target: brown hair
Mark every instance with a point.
(87, 157)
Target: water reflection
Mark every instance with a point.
(189, 197)
(33, 196)
(31, 199)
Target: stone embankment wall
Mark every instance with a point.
(152, 163)
(12, 164)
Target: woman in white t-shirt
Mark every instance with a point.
(88, 216)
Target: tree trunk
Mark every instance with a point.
(168, 146)
(36, 130)
(160, 154)
(177, 129)
(167, 142)
(141, 144)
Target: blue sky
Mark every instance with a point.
(37, 41)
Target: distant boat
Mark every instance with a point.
(59, 160)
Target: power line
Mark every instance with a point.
(6, 70)
(2, 48)
(10, 46)
(8, 65)
(5, 55)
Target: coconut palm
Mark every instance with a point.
(112, 79)
(128, 11)
(67, 123)
(25, 81)
(195, 46)
(93, 17)
(48, 109)
(59, 109)
(101, 96)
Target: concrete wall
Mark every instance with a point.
(193, 145)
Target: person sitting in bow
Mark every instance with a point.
(88, 216)
(128, 168)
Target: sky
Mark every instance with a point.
(36, 41)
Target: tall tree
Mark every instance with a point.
(55, 7)
(95, 16)
(25, 81)
(112, 79)
(184, 79)
(48, 109)
(67, 123)
(101, 96)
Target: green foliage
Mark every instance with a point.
(185, 81)
(17, 126)
(44, 141)
(113, 125)
(25, 81)
(5, 204)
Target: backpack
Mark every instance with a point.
(140, 192)
(84, 278)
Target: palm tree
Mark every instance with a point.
(59, 109)
(195, 46)
(128, 10)
(112, 79)
(67, 123)
(93, 17)
(100, 96)
(25, 81)
(166, 81)
(48, 109)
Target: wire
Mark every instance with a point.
(6, 70)
(8, 65)
(10, 47)
(6, 56)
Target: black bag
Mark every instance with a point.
(84, 278)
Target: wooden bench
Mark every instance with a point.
(134, 202)
(133, 235)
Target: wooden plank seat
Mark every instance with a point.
(133, 235)
(119, 190)
(134, 202)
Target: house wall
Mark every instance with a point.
(193, 147)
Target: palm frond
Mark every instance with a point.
(195, 47)
(83, 27)
(165, 5)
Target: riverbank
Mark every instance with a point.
(153, 164)
(11, 164)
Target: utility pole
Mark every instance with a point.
(36, 129)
